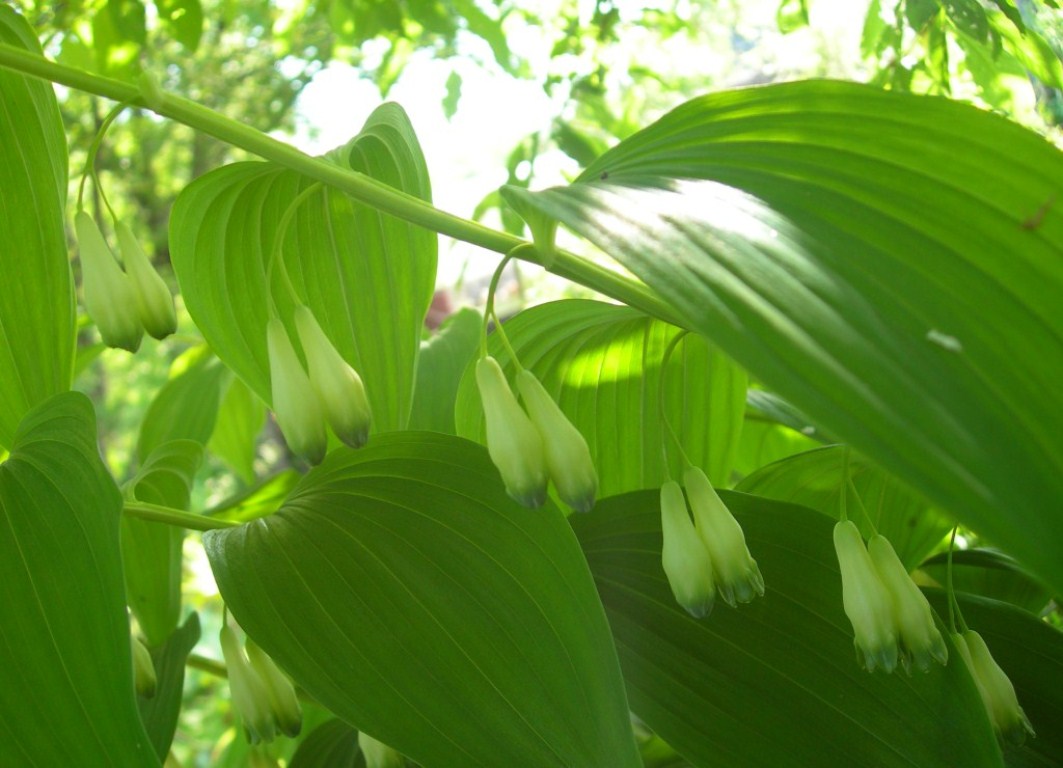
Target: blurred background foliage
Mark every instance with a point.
(605, 67)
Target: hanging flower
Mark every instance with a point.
(737, 575)
(867, 603)
(298, 409)
(249, 692)
(144, 678)
(283, 702)
(686, 561)
(154, 300)
(567, 457)
(995, 688)
(921, 641)
(109, 295)
(513, 442)
(338, 385)
(377, 754)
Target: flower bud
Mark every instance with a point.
(377, 754)
(567, 457)
(686, 562)
(866, 601)
(512, 440)
(338, 385)
(109, 294)
(249, 692)
(920, 639)
(144, 678)
(737, 574)
(995, 688)
(154, 300)
(282, 699)
(295, 403)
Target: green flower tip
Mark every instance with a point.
(283, 702)
(513, 442)
(377, 754)
(250, 695)
(686, 561)
(144, 678)
(109, 295)
(337, 384)
(737, 574)
(298, 409)
(866, 600)
(921, 641)
(998, 694)
(568, 459)
(154, 301)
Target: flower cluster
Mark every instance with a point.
(706, 554)
(996, 690)
(263, 696)
(328, 391)
(531, 448)
(123, 304)
(890, 616)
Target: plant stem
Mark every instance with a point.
(157, 513)
(362, 188)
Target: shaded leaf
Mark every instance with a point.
(67, 697)
(159, 713)
(992, 574)
(460, 628)
(440, 368)
(186, 406)
(241, 416)
(333, 744)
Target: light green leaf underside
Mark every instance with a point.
(815, 479)
(367, 277)
(151, 553)
(240, 419)
(185, 407)
(439, 370)
(602, 363)
(333, 744)
(775, 682)
(67, 695)
(889, 264)
(36, 290)
(403, 589)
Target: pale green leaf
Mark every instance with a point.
(186, 407)
(241, 416)
(439, 370)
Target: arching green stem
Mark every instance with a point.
(178, 518)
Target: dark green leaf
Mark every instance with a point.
(333, 744)
(889, 264)
(920, 12)
(368, 277)
(36, 292)
(969, 18)
(406, 592)
(774, 682)
(185, 19)
(440, 368)
(991, 574)
(159, 713)
(67, 696)
(602, 363)
(186, 407)
(791, 15)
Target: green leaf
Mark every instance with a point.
(186, 407)
(67, 696)
(774, 682)
(889, 264)
(403, 589)
(241, 416)
(258, 500)
(1030, 48)
(36, 291)
(992, 574)
(1031, 653)
(159, 713)
(791, 15)
(367, 276)
(815, 479)
(969, 17)
(920, 12)
(333, 744)
(151, 552)
(440, 368)
(185, 20)
(602, 363)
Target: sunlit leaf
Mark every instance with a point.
(36, 291)
(404, 590)
(889, 264)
